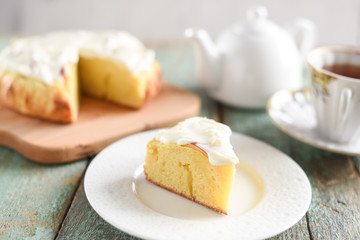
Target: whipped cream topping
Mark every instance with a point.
(209, 135)
(44, 57)
(35, 57)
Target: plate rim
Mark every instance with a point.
(299, 138)
(306, 206)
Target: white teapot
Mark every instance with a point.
(252, 60)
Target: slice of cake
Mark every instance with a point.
(41, 76)
(117, 67)
(39, 80)
(195, 160)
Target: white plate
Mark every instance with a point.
(294, 115)
(271, 193)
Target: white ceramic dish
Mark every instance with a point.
(271, 193)
(292, 112)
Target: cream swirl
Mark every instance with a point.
(211, 136)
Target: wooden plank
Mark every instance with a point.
(82, 222)
(357, 163)
(298, 232)
(335, 208)
(49, 142)
(34, 198)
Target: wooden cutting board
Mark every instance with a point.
(100, 123)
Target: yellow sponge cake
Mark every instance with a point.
(43, 76)
(99, 78)
(195, 160)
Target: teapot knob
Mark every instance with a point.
(256, 13)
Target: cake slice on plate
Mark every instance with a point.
(195, 160)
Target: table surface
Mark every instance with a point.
(48, 201)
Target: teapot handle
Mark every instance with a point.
(304, 32)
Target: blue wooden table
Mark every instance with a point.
(48, 201)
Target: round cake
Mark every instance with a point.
(44, 76)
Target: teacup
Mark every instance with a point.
(335, 92)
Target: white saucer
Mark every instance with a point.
(294, 115)
(271, 193)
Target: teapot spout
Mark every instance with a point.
(207, 57)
